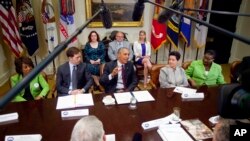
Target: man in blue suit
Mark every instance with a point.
(72, 77)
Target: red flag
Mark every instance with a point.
(158, 33)
(8, 22)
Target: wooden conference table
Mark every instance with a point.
(41, 117)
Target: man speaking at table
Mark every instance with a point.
(119, 75)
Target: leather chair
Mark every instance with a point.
(155, 72)
(234, 71)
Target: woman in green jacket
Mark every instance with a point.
(37, 88)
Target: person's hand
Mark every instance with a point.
(192, 83)
(115, 71)
(92, 61)
(38, 97)
(77, 91)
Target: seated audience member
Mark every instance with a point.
(72, 77)
(119, 75)
(118, 43)
(142, 51)
(222, 130)
(173, 75)
(88, 128)
(37, 89)
(205, 72)
(95, 54)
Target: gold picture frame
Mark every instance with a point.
(121, 11)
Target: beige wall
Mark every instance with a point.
(240, 49)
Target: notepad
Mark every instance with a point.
(173, 133)
(143, 96)
(6, 118)
(123, 98)
(72, 101)
(30, 137)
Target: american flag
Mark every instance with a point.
(8, 22)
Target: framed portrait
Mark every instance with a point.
(121, 10)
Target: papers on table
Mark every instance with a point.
(173, 133)
(189, 94)
(110, 137)
(141, 96)
(72, 101)
(8, 118)
(30, 137)
(73, 114)
(182, 90)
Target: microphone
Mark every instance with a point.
(138, 10)
(166, 14)
(106, 16)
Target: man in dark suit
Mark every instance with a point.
(72, 77)
(119, 75)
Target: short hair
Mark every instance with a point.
(222, 130)
(88, 128)
(122, 48)
(176, 54)
(89, 37)
(20, 61)
(72, 51)
(211, 52)
(245, 79)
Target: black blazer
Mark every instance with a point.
(110, 85)
(63, 78)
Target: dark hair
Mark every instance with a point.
(20, 61)
(176, 54)
(72, 51)
(89, 37)
(245, 79)
(211, 52)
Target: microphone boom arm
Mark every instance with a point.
(59, 48)
(219, 29)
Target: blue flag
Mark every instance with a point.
(186, 30)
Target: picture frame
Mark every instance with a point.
(121, 10)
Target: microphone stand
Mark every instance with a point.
(216, 28)
(60, 47)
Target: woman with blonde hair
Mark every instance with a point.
(142, 51)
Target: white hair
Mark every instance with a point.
(88, 128)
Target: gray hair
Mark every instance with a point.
(88, 128)
(222, 130)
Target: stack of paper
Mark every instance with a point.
(189, 94)
(8, 118)
(72, 101)
(140, 96)
(74, 114)
(30, 137)
(173, 133)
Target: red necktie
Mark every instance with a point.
(124, 76)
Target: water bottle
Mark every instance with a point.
(132, 104)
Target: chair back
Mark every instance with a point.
(154, 74)
(234, 71)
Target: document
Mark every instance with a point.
(184, 90)
(173, 133)
(30, 137)
(72, 101)
(123, 98)
(110, 137)
(5, 118)
(74, 113)
(142, 96)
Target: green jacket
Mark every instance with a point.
(38, 87)
(196, 71)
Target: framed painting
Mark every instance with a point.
(121, 10)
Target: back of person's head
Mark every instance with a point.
(88, 128)
(222, 130)
(176, 54)
(245, 64)
(245, 80)
(71, 51)
(211, 52)
(20, 61)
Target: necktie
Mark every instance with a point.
(74, 78)
(124, 76)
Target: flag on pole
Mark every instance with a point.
(173, 30)
(8, 22)
(67, 22)
(158, 31)
(48, 17)
(27, 26)
(186, 24)
(200, 32)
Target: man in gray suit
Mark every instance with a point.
(118, 43)
(72, 77)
